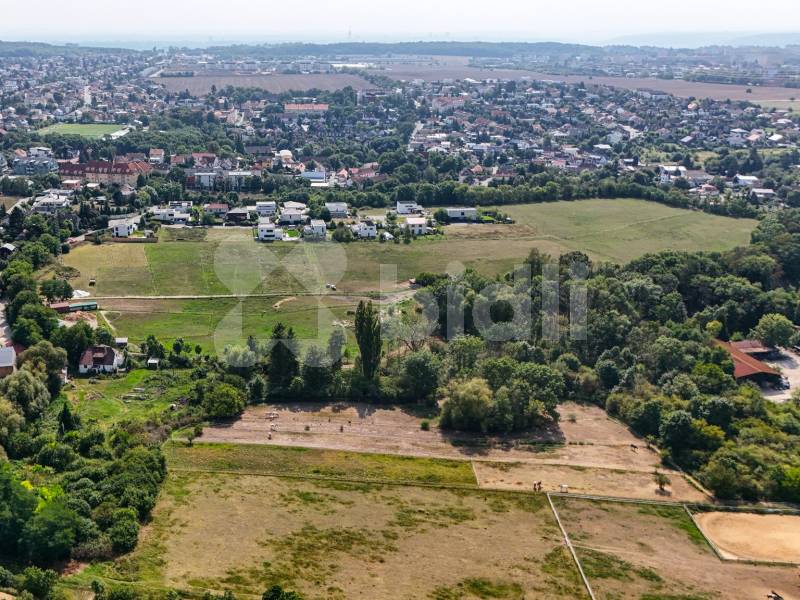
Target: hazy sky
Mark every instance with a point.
(328, 20)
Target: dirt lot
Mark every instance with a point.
(272, 83)
(583, 480)
(245, 533)
(633, 551)
(789, 367)
(753, 537)
(587, 449)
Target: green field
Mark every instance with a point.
(215, 262)
(225, 261)
(87, 130)
(219, 322)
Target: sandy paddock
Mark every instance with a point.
(750, 536)
(582, 480)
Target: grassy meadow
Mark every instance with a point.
(87, 130)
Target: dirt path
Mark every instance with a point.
(5, 330)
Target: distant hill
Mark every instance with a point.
(23, 49)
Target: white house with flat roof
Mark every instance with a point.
(123, 228)
(462, 213)
(291, 216)
(266, 208)
(316, 230)
(338, 210)
(366, 229)
(408, 208)
(267, 231)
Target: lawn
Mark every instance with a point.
(87, 130)
(338, 538)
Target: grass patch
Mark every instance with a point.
(678, 518)
(599, 565)
(86, 130)
(274, 460)
(479, 588)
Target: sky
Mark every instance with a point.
(206, 21)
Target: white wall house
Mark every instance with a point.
(266, 208)
(99, 359)
(417, 225)
(408, 208)
(268, 231)
(123, 228)
(291, 216)
(462, 214)
(365, 229)
(315, 230)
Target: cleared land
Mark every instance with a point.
(587, 450)
(337, 539)
(277, 83)
(87, 130)
(656, 552)
(751, 536)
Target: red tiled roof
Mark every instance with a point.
(744, 364)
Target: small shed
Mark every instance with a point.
(153, 363)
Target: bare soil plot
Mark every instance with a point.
(277, 83)
(646, 551)
(587, 450)
(751, 536)
(336, 540)
(585, 480)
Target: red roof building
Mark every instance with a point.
(745, 365)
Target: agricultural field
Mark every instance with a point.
(656, 552)
(276, 84)
(458, 68)
(331, 537)
(87, 130)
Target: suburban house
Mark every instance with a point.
(51, 203)
(417, 225)
(35, 165)
(8, 361)
(171, 215)
(122, 228)
(99, 359)
(268, 231)
(366, 229)
(318, 177)
(408, 207)
(291, 216)
(156, 156)
(338, 210)
(462, 214)
(266, 208)
(218, 209)
(668, 173)
(746, 365)
(316, 230)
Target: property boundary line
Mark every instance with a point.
(571, 549)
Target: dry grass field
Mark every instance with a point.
(335, 539)
(277, 83)
(657, 553)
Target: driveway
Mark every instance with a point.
(789, 367)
